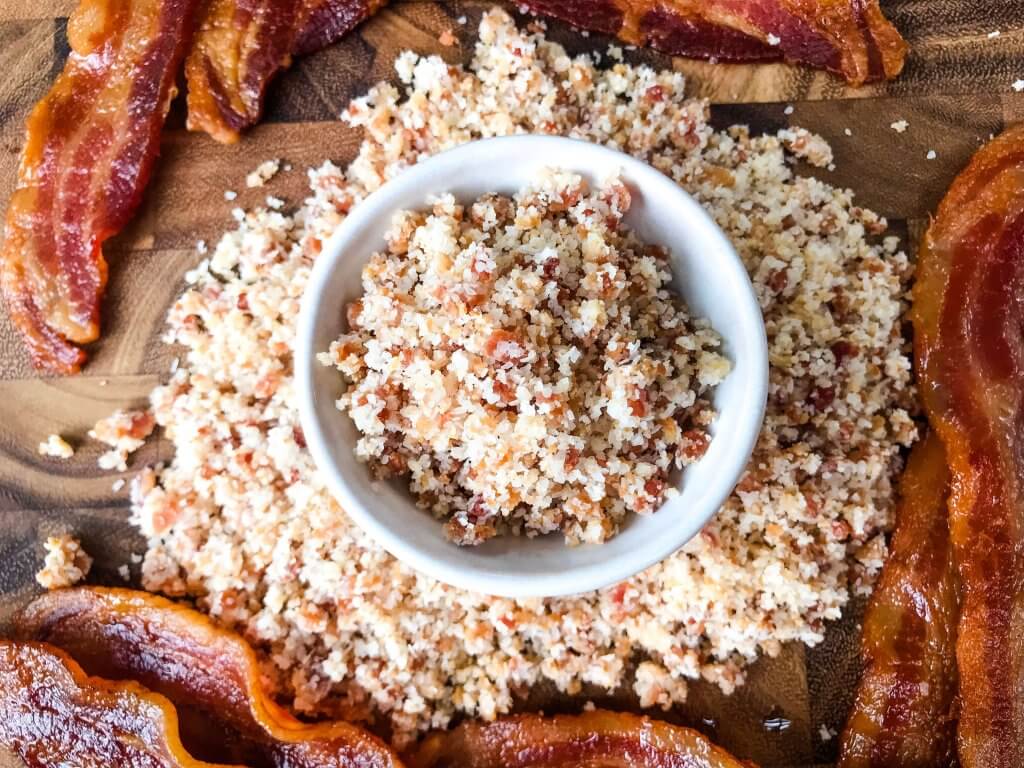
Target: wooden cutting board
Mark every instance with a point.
(954, 93)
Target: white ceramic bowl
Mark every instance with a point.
(707, 272)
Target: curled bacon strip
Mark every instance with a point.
(89, 151)
(209, 673)
(849, 37)
(242, 44)
(52, 714)
(902, 716)
(599, 738)
(968, 319)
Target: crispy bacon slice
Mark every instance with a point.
(902, 716)
(209, 673)
(849, 37)
(52, 714)
(599, 738)
(968, 317)
(89, 151)
(242, 44)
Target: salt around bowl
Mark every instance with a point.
(707, 272)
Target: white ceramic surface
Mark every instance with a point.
(708, 274)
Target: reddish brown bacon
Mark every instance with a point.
(902, 716)
(242, 44)
(606, 739)
(849, 37)
(52, 714)
(968, 319)
(209, 673)
(89, 150)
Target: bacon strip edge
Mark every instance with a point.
(208, 672)
(608, 739)
(90, 147)
(851, 38)
(52, 713)
(968, 320)
(903, 714)
(242, 44)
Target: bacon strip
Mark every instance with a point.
(52, 714)
(849, 37)
(968, 319)
(242, 44)
(89, 150)
(209, 673)
(902, 716)
(598, 738)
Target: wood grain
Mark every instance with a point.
(955, 92)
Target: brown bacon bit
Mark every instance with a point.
(638, 403)
(352, 313)
(90, 147)
(608, 739)
(243, 302)
(209, 673)
(694, 444)
(572, 458)
(844, 350)
(849, 37)
(968, 318)
(903, 714)
(504, 347)
(242, 44)
(655, 93)
(821, 398)
(654, 487)
(778, 280)
(619, 593)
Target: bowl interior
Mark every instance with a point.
(708, 274)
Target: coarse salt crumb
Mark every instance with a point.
(1018, 86)
(125, 432)
(263, 173)
(774, 39)
(994, 34)
(931, 154)
(788, 110)
(241, 521)
(826, 733)
(117, 485)
(230, 194)
(462, 20)
(124, 572)
(848, 132)
(567, 458)
(900, 126)
(66, 563)
(56, 447)
(201, 248)
(274, 203)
